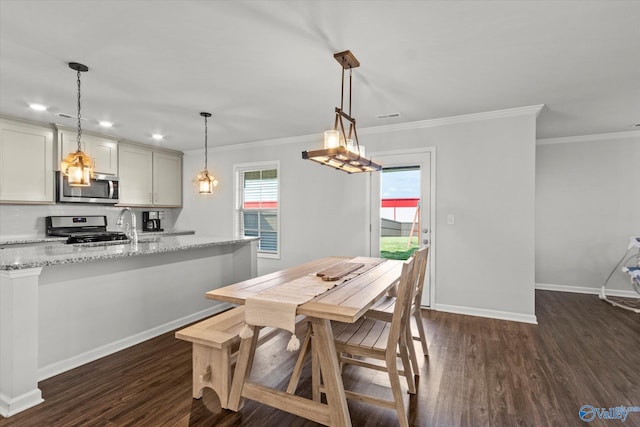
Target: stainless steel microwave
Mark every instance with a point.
(104, 189)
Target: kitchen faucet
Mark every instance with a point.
(131, 232)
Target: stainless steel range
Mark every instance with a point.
(82, 229)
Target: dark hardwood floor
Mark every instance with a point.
(480, 372)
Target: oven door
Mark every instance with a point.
(103, 189)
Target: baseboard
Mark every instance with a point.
(586, 290)
(492, 314)
(9, 407)
(97, 353)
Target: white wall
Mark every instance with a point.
(312, 198)
(587, 208)
(485, 177)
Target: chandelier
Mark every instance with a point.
(342, 150)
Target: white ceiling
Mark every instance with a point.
(265, 69)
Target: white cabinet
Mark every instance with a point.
(102, 150)
(26, 163)
(167, 179)
(149, 177)
(136, 175)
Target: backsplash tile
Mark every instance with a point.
(29, 220)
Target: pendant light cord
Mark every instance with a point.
(205, 143)
(79, 124)
(350, 74)
(342, 89)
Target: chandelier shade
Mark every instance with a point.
(78, 167)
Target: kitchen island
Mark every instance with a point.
(62, 305)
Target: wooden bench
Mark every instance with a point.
(215, 342)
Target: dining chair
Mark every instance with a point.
(368, 338)
(383, 309)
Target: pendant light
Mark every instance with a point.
(342, 150)
(206, 182)
(78, 166)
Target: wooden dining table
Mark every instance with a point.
(346, 302)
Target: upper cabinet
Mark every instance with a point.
(149, 176)
(136, 175)
(102, 150)
(31, 153)
(26, 163)
(167, 179)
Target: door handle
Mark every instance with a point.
(425, 241)
(425, 230)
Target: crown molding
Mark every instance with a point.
(587, 138)
(464, 118)
(421, 124)
(317, 138)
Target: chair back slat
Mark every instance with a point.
(404, 298)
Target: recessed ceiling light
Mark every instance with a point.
(38, 107)
(157, 136)
(106, 124)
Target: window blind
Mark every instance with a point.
(258, 207)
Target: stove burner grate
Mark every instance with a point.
(107, 236)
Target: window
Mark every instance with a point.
(258, 207)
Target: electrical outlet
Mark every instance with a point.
(450, 219)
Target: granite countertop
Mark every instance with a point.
(26, 240)
(57, 252)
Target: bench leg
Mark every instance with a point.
(212, 368)
(244, 363)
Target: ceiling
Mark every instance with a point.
(265, 69)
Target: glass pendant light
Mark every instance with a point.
(78, 166)
(206, 182)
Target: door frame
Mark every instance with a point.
(432, 211)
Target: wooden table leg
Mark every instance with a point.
(315, 371)
(297, 370)
(328, 359)
(244, 363)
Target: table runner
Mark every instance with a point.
(277, 306)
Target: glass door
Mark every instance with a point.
(400, 218)
(401, 209)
